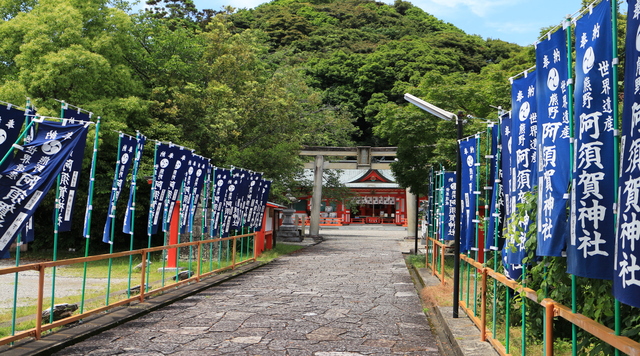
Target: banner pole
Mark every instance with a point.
(151, 213)
(113, 217)
(18, 245)
(496, 229)
(55, 247)
(190, 222)
(87, 232)
(180, 216)
(205, 204)
(456, 254)
(616, 140)
(477, 226)
(56, 227)
(487, 192)
(574, 328)
(134, 190)
(15, 286)
(211, 224)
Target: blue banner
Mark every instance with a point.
(202, 174)
(205, 193)
(263, 194)
(128, 217)
(31, 173)
(167, 158)
(523, 159)
(449, 207)
(256, 217)
(496, 207)
(626, 285)
(126, 153)
(187, 185)
(508, 183)
(175, 185)
(11, 121)
(194, 181)
(468, 152)
(222, 181)
(591, 245)
(553, 144)
(70, 175)
(241, 183)
(251, 200)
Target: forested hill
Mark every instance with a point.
(364, 54)
(250, 88)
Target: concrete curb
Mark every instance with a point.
(96, 324)
(462, 333)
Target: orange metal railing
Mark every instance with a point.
(553, 309)
(36, 332)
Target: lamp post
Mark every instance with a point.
(449, 116)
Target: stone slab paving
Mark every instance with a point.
(350, 295)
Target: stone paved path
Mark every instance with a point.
(349, 295)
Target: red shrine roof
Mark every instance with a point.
(364, 178)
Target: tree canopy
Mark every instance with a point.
(250, 87)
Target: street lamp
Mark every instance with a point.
(449, 116)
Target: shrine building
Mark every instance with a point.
(378, 200)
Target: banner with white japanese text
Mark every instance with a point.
(126, 153)
(11, 121)
(70, 175)
(591, 245)
(31, 173)
(167, 158)
(469, 172)
(553, 144)
(205, 194)
(222, 180)
(202, 172)
(193, 181)
(523, 159)
(626, 285)
(241, 183)
(496, 207)
(229, 200)
(174, 189)
(188, 183)
(126, 227)
(254, 219)
(251, 200)
(265, 188)
(449, 207)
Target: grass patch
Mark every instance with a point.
(417, 261)
(279, 250)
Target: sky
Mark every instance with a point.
(517, 21)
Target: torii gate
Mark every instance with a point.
(363, 154)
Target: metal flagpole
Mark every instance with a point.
(476, 192)
(456, 253)
(574, 328)
(134, 189)
(113, 217)
(616, 137)
(205, 204)
(151, 213)
(87, 232)
(496, 228)
(56, 227)
(18, 245)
